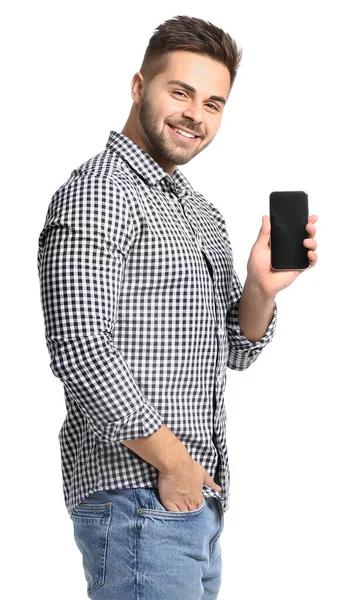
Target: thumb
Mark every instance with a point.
(264, 233)
(210, 482)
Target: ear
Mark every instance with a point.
(137, 87)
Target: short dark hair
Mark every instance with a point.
(194, 35)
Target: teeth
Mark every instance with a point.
(184, 133)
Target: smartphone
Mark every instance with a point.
(288, 217)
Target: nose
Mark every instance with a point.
(194, 112)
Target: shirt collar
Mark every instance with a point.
(145, 166)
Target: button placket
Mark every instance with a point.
(220, 331)
(196, 235)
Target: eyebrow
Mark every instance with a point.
(188, 87)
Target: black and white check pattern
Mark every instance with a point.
(140, 302)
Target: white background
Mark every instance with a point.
(291, 123)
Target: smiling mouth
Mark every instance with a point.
(183, 137)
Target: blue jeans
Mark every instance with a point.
(134, 549)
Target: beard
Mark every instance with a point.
(170, 150)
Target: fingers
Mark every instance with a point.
(311, 254)
(264, 232)
(210, 481)
(312, 257)
(310, 228)
(215, 486)
(310, 243)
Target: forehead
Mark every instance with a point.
(206, 75)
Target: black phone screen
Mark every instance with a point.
(288, 217)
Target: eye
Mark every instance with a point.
(209, 103)
(213, 105)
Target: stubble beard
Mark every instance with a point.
(160, 144)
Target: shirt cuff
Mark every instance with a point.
(242, 352)
(145, 421)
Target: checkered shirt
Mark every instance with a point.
(140, 301)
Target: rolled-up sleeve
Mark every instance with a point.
(242, 352)
(82, 253)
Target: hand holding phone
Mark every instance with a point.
(288, 217)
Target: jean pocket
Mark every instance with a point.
(91, 523)
(221, 526)
(158, 510)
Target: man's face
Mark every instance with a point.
(164, 105)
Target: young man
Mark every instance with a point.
(143, 313)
